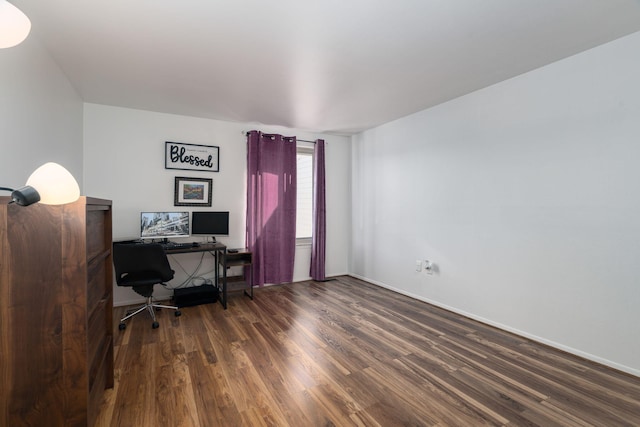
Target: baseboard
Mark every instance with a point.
(543, 341)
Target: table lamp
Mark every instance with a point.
(50, 184)
(14, 25)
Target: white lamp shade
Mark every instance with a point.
(55, 184)
(14, 25)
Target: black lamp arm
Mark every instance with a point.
(24, 196)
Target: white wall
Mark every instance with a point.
(526, 195)
(40, 115)
(124, 162)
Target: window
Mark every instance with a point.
(304, 208)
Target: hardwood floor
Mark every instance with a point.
(347, 353)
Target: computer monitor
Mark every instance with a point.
(164, 225)
(210, 223)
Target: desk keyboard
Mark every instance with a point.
(173, 245)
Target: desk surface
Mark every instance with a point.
(203, 247)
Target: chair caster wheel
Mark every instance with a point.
(178, 313)
(155, 325)
(122, 326)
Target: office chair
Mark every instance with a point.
(141, 266)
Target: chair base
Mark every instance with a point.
(149, 306)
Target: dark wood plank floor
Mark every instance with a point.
(347, 353)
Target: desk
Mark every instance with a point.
(224, 260)
(202, 247)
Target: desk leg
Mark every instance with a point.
(249, 279)
(224, 278)
(219, 256)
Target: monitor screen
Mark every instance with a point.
(210, 223)
(163, 225)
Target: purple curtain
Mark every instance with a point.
(271, 206)
(319, 235)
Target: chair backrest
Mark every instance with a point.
(135, 259)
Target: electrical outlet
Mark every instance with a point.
(428, 266)
(418, 265)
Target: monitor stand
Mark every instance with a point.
(165, 242)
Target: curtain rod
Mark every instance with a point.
(301, 140)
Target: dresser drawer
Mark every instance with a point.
(97, 337)
(97, 286)
(96, 238)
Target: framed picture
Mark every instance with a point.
(191, 157)
(192, 191)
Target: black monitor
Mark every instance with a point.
(210, 223)
(164, 225)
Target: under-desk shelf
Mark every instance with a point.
(243, 282)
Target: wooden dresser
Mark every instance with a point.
(56, 308)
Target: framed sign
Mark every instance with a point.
(192, 191)
(191, 157)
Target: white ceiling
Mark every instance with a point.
(335, 66)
